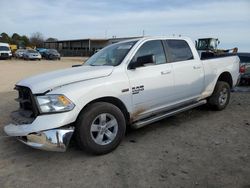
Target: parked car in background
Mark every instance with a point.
(51, 54)
(245, 64)
(19, 53)
(5, 52)
(41, 51)
(32, 55)
(245, 79)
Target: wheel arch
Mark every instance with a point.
(226, 77)
(112, 100)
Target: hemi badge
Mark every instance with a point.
(125, 90)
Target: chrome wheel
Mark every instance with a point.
(104, 129)
(223, 96)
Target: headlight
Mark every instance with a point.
(54, 103)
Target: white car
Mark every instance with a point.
(131, 83)
(5, 52)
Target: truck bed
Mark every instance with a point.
(210, 55)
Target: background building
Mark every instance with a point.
(81, 47)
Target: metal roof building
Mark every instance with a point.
(81, 47)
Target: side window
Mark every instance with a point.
(152, 48)
(179, 50)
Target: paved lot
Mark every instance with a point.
(198, 148)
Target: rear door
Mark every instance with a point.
(152, 84)
(188, 71)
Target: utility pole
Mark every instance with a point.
(106, 33)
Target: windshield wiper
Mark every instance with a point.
(99, 65)
(77, 65)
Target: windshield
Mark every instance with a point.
(203, 44)
(4, 48)
(111, 55)
(207, 44)
(32, 51)
(20, 50)
(52, 51)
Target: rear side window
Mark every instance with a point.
(179, 50)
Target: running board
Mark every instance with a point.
(161, 116)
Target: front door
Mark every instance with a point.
(152, 85)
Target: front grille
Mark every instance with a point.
(4, 54)
(27, 109)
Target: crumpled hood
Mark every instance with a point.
(48, 81)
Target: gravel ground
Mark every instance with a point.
(197, 148)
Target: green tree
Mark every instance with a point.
(15, 38)
(24, 41)
(5, 38)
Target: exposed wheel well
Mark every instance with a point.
(226, 77)
(115, 101)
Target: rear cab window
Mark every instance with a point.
(179, 50)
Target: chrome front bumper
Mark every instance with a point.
(50, 140)
(50, 132)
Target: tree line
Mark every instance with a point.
(35, 40)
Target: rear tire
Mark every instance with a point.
(220, 97)
(100, 128)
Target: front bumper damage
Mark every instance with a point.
(47, 132)
(51, 140)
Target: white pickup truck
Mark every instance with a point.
(131, 83)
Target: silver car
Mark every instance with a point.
(32, 55)
(19, 53)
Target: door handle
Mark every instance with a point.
(196, 67)
(165, 72)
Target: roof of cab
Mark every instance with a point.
(157, 38)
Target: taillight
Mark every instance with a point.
(242, 68)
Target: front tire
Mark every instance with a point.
(220, 97)
(100, 128)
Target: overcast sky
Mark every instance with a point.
(228, 20)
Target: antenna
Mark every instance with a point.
(143, 32)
